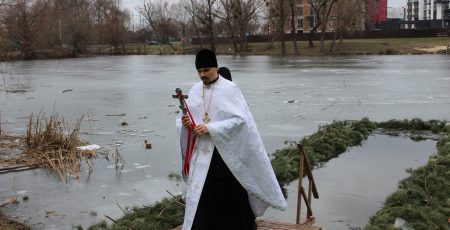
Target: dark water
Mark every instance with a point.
(354, 186)
(289, 98)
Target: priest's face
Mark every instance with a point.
(208, 75)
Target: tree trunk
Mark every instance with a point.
(243, 39)
(233, 37)
(197, 32)
(213, 45)
(322, 37)
(273, 37)
(281, 28)
(293, 27)
(211, 26)
(183, 35)
(311, 35)
(333, 42)
(235, 45)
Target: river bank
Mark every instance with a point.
(382, 46)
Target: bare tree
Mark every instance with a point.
(157, 16)
(282, 21)
(182, 17)
(190, 8)
(76, 23)
(322, 10)
(22, 24)
(349, 19)
(110, 22)
(293, 32)
(49, 26)
(205, 13)
(238, 14)
(3, 40)
(227, 15)
(3, 2)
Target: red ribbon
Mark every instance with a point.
(189, 145)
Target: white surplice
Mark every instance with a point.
(232, 130)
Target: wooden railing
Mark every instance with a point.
(304, 167)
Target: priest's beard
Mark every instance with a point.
(205, 80)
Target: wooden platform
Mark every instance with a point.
(273, 225)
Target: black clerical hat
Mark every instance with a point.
(205, 58)
(225, 73)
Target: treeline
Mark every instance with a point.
(56, 27)
(64, 26)
(32, 27)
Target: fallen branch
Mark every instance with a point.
(124, 212)
(116, 115)
(111, 219)
(18, 168)
(5, 202)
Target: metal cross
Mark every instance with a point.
(180, 97)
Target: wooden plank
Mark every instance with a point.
(274, 225)
(309, 172)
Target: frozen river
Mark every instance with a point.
(289, 98)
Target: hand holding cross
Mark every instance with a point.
(185, 119)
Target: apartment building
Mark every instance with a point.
(376, 12)
(304, 16)
(428, 14)
(350, 14)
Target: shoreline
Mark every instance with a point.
(348, 47)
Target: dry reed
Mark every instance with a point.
(118, 160)
(52, 144)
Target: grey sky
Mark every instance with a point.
(131, 4)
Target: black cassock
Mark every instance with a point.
(224, 202)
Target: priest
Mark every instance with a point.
(228, 176)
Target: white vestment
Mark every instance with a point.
(232, 130)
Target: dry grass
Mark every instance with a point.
(51, 143)
(8, 224)
(382, 46)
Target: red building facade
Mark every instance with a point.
(377, 10)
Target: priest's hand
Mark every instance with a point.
(186, 121)
(200, 130)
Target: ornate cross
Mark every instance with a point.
(181, 97)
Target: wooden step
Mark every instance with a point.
(274, 225)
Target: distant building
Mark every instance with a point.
(305, 16)
(396, 13)
(426, 14)
(376, 13)
(396, 17)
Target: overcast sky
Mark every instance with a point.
(131, 4)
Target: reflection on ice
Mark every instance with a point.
(142, 166)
